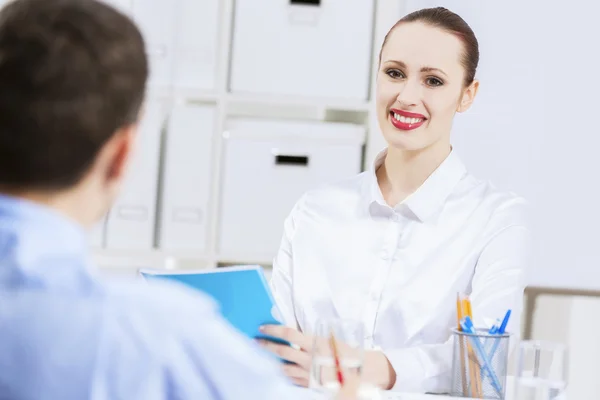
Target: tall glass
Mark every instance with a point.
(349, 340)
(541, 371)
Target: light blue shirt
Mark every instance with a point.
(65, 334)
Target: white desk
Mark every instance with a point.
(414, 396)
(409, 396)
(394, 396)
(417, 396)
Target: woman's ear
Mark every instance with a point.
(468, 96)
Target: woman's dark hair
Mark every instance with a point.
(442, 18)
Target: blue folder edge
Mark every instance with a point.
(242, 293)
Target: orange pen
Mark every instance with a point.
(463, 369)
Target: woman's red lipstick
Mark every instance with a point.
(403, 120)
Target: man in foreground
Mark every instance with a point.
(72, 81)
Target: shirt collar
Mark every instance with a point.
(41, 247)
(431, 195)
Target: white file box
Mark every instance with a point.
(316, 48)
(186, 178)
(196, 42)
(268, 165)
(156, 20)
(132, 218)
(181, 40)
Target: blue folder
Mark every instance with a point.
(242, 293)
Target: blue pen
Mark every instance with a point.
(467, 326)
(501, 330)
(504, 323)
(494, 329)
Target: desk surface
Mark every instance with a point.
(417, 396)
(409, 396)
(398, 396)
(412, 396)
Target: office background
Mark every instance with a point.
(252, 102)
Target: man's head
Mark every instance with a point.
(72, 82)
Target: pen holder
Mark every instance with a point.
(479, 364)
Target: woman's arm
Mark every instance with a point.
(497, 285)
(281, 277)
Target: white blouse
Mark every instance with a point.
(346, 254)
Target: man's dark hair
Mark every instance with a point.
(72, 72)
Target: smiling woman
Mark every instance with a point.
(391, 247)
(418, 88)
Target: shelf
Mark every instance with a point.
(195, 95)
(109, 258)
(133, 259)
(235, 99)
(261, 259)
(241, 100)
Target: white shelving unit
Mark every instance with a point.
(237, 105)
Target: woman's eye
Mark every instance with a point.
(394, 73)
(434, 82)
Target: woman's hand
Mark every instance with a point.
(299, 356)
(376, 368)
(349, 390)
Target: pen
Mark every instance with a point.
(494, 329)
(468, 327)
(474, 372)
(463, 368)
(504, 322)
(336, 359)
(499, 330)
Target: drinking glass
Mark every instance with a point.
(349, 339)
(541, 371)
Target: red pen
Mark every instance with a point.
(336, 359)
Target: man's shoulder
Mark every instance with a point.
(163, 326)
(163, 303)
(155, 319)
(160, 293)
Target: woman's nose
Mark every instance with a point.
(409, 93)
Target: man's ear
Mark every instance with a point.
(468, 97)
(118, 152)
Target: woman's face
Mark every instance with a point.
(420, 86)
